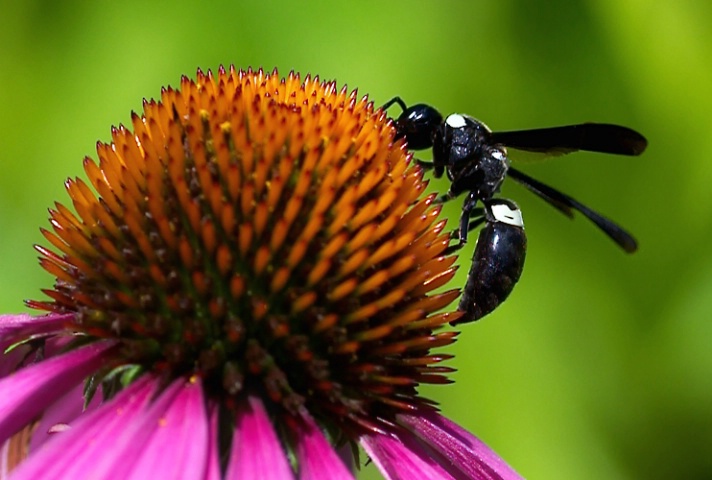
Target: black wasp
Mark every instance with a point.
(475, 160)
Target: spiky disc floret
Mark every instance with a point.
(267, 235)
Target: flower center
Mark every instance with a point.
(267, 235)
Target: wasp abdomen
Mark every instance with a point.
(496, 265)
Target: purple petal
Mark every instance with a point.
(256, 450)
(317, 459)
(402, 458)
(27, 392)
(213, 471)
(15, 327)
(183, 431)
(63, 411)
(4, 461)
(122, 442)
(96, 441)
(464, 451)
(21, 356)
(9, 361)
(57, 344)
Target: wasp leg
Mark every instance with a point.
(477, 218)
(427, 166)
(393, 100)
(424, 164)
(445, 198)
(468, 209)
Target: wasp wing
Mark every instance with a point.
(566, 205)
(592, 137)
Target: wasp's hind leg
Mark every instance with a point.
(470, 218)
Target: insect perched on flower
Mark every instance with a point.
(249, 281)
(476, 161)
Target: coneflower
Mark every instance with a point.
(245, 288)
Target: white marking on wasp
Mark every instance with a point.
(456, 120)
(511, 216)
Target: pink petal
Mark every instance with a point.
(27, 392)
(183, 431)
(63, 411)
(9, 361)
(15, 327)
(317, 459)
(95, 443)
(463, 450)
(57, 344)
(402, 458)
(24, 355)
(213, 471)
(4, 464)
(256, 450)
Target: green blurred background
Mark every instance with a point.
(599, 365)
